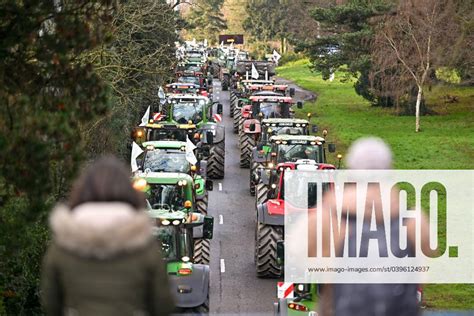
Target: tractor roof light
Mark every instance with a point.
(274, 124)
(285, 142)
(151, 121)
(339, 156)
(165, 222)
(150, 147)
(185, 259)
(140, 184)
(319, 143)
(273, 154)
(313, 143)
(188, 204)
(270, 165)
(298, 125)
(193, 168)
(176, 222)
(182, 183)
(274, 186)
(278, 142)
(183, 148)
(139, 133)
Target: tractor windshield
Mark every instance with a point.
(188, 111)
(285, 130)
(166, 196)
(166, 236)
(167, 134)
(294, 152)
(166, 161)
(193, 68)
(274, 109)
(190, 79)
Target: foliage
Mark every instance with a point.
(46, 94)
(448, 75)
(266, 19)
(207, 20)
(346, 41)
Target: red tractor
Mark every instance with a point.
(261, 107)
(271, 216)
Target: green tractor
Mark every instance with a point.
(285, 148)
(171, 156)
(304, 301)
(192, 117)
(189, 280)
(259, 142)
(175, 192)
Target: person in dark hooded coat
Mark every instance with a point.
(103, 259)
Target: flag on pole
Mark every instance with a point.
(162, 95)
(255, 74)
(190, 151)
(136, 151)
(145, 117)
(332, 76)
(231, 45)
(205, 42)
(222, 44)
(276, 56)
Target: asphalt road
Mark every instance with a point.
(235, 288)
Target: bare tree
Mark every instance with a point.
(408, 43)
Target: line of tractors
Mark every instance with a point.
(179, 148)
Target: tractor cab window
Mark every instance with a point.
(283, 130)
(166, 196)
(190, 79)
(295, 152)
(166, 236)
(193, 68)
(297, 197)
(166, 161)
(167, 134)
(188, 111)
(274, 109)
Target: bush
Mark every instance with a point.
(289, 57)
(448, 75)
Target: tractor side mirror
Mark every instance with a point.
(292, 92)
(209, 137)
(252, 127)
(219, 108)
(209, 185)
(208, 227)
(280, 252)
(299, 105)
(199, 156)
(314, 128)
(332, 148)
(209, 81)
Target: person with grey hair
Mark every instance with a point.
(368, 299)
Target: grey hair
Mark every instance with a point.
(369, 153)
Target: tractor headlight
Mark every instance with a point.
(176, 222)
(185, 259)
(270, 165)
(274, 186)
(165, 222)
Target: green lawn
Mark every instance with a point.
(445, 142)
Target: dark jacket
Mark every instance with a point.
(103, 261)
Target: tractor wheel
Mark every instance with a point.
(216, 161)
(202, 251)
(201, 206)
(266, 237)
(241, 125)
(225, 83)
(233, 102)
(253, 170)
(247, 143)
(261, 193)
(237, 116)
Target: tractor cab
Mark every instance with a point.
(189, 280)
(163, 131)
(272, 106)
(289, 148)
(167, 191)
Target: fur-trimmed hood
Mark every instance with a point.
(100, 230)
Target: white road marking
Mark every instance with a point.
(220, 186)
(221, 219)
(217, 98)
(222, 266)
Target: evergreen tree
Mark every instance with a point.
(206, 20)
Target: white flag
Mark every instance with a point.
(222, 44)
(276, 56)
(332, 76)
(145, 117)
(136, 151)
(205, 42)
(190, 151)
(162, 95)
(255, 74)
(231, 45)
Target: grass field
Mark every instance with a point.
(446, 141)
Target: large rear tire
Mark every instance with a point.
(202, 247)
(247, 143)
(253, 170)
(216, 161)
(261, 193)
(266, 237)
(233, 99)
(237, 116)
(225, 83)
